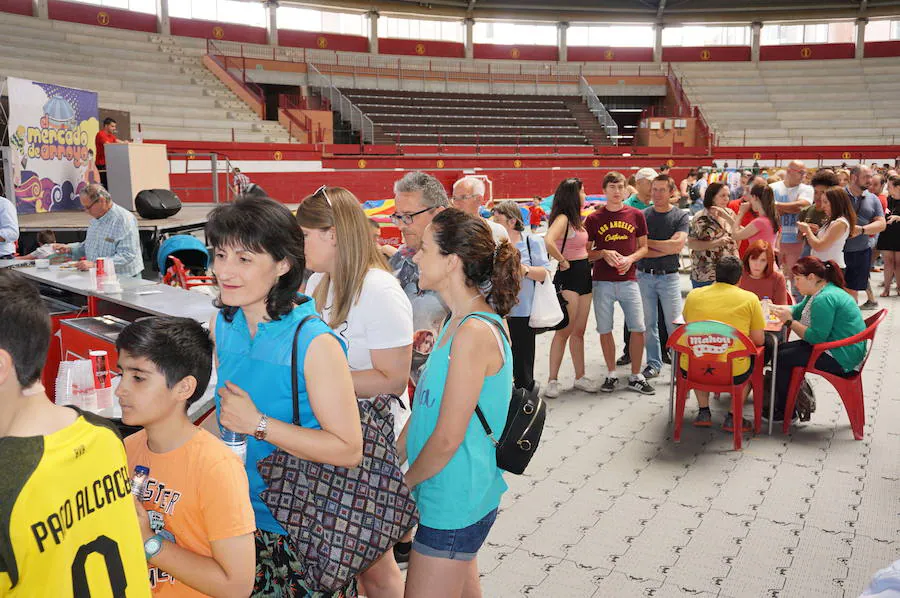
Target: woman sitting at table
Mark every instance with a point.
(764, 227)
(827, 243)
(827, 313)
(761, 275)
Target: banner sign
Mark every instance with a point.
(51, 137)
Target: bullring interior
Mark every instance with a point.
(353, 93)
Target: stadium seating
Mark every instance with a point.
(810, 103)
(455, 118)
(159, 80)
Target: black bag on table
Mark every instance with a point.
(154, 204)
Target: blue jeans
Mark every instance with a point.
(454, 544)
(696, 284)
(665, 289)
(628, 295)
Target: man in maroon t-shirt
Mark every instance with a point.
(106, 135)
(617, 239)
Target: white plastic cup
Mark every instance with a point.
(42, 264)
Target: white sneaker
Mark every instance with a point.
(552, 390)
(586, 384)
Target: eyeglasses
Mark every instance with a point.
(462, 197)
(407, 219)
(324, 194)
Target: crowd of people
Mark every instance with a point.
(315, 317)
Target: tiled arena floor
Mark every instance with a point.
(610, 506)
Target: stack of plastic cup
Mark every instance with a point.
(64, 383)
(83, 393)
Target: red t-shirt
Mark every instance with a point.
(749, 215)
(618, 231)
(103, 138)
(536, 215)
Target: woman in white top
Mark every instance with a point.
(363, 303)
(827, 242)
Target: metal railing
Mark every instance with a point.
(686, 109)
(349, 112)
(599, 110)
(215, 172)
(220, 56)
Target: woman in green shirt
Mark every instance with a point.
(827, 313)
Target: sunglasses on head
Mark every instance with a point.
(321, 190)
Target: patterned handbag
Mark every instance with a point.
(341, 520)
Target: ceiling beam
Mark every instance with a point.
(660, 10)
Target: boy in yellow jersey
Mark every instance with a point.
(195, 511)
(67, 521)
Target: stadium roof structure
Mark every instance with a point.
(633, 11)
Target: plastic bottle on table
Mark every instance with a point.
(767, 308)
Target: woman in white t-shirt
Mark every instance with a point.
(363, 303)
(827, 243)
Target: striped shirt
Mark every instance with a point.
(115, 235)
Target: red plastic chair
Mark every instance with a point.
(850, 387)
(711, 347)
(178, 276)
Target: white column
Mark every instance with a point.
(469, 22)
(373, 31)
(41, 9)
(861, 23)
(755, 35)
(562, 44)
(272, 20)
(163, 25)
(657, 44)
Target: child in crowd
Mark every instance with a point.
(194, 512)
(67, 520)
(45, 241)
(536, 213)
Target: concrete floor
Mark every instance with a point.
(610, 506)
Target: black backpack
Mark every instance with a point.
(153, 204)
(524, 421)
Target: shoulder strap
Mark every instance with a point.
(528, 246)
(295, 393)
(565, 237)
(478, 412)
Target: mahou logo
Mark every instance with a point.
(709, 344)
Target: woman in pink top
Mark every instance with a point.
(566, 242)
(765, 226)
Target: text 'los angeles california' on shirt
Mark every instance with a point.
(618, 231)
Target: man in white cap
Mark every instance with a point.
(643, 179)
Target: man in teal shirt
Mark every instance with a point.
(643, 179)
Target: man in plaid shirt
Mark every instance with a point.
(112, 233)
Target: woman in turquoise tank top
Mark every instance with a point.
(453, 468)
(258, 264)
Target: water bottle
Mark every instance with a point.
(767, 308)
(139, 481)
(236, 442)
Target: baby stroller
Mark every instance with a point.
(184, 259)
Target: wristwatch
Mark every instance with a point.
(262, 428)
(787, 323)
(152, 546)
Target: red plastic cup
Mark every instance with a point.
(100, 363)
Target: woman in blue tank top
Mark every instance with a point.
(453, 468)
(258, 264)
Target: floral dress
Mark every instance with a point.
(705, 227)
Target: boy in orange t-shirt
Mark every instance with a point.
(195, 513)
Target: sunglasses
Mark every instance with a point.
(324, 194)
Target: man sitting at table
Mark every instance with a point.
(725, 302)
(112, 233)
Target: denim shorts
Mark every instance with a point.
(454, 544)
(628, 295)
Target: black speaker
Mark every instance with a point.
(154, 204)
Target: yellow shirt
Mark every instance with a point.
(729, 304)
(67, 520)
